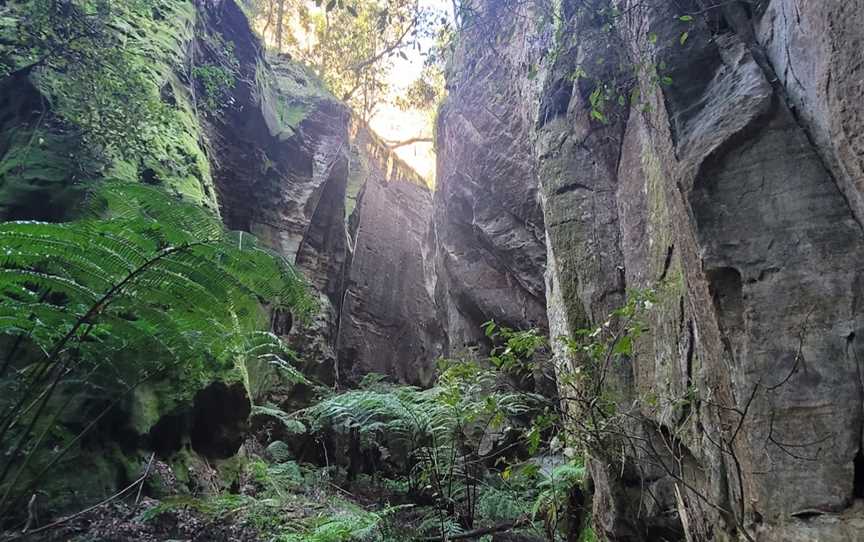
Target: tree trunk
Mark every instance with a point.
(280, 15)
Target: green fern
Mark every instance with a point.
(555, 489)
(358, 526)
(145, 286)
(291, 425)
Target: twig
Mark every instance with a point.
(67, 519)
(143, 478)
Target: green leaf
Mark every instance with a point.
(683, 38)
(685, 18)
(624, 346)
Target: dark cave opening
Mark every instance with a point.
(219, 420)
(166, 437)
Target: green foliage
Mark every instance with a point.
(555, 488)
(216, 82)
(350, 45)
(149, 287)
(211, 507)
(426, 92)
(440, 438)
(406, 416)
(103, 69)
(355, 527)
(290, 424)
(278, 452)
(616, 80)
(609, 342)
(501, 504)
(92, 77)
(109, 100)
(265, 363)
(217, 79)
(515, 349)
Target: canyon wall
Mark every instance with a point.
(726, 178)
(487, 229)
(294, 168)
(388, 323)
(268, 149)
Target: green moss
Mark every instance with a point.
(216, 82)
(659, 222)
(289, 92)
(292, 114)
(167, 149)
(146, 408)
(231, 470)
(89, 475)
(211, 506)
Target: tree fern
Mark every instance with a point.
(145, 285)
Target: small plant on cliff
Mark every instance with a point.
(216, 82)
(217, 79)
(148, 288)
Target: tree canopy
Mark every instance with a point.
(351, 45)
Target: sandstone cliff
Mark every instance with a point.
(388, 323)
(290, 165)
(710, 151)
(729, 185)
(487, 229)
(259, 142)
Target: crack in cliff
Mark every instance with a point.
(858, 461)
(670, 250)
(572, 187)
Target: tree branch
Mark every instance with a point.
(396, 144)
(386, 51)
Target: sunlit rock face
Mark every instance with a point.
(291, 167)
(733, 189)
(387, 324)
(279, 156)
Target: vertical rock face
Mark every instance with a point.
(285, 171)
(815, 49)
(387, 324)
(487, 227)
(731, 186)
(280, 164)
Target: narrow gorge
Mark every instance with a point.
(626, 309)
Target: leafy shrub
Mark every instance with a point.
(496, 505)
(555, 489)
